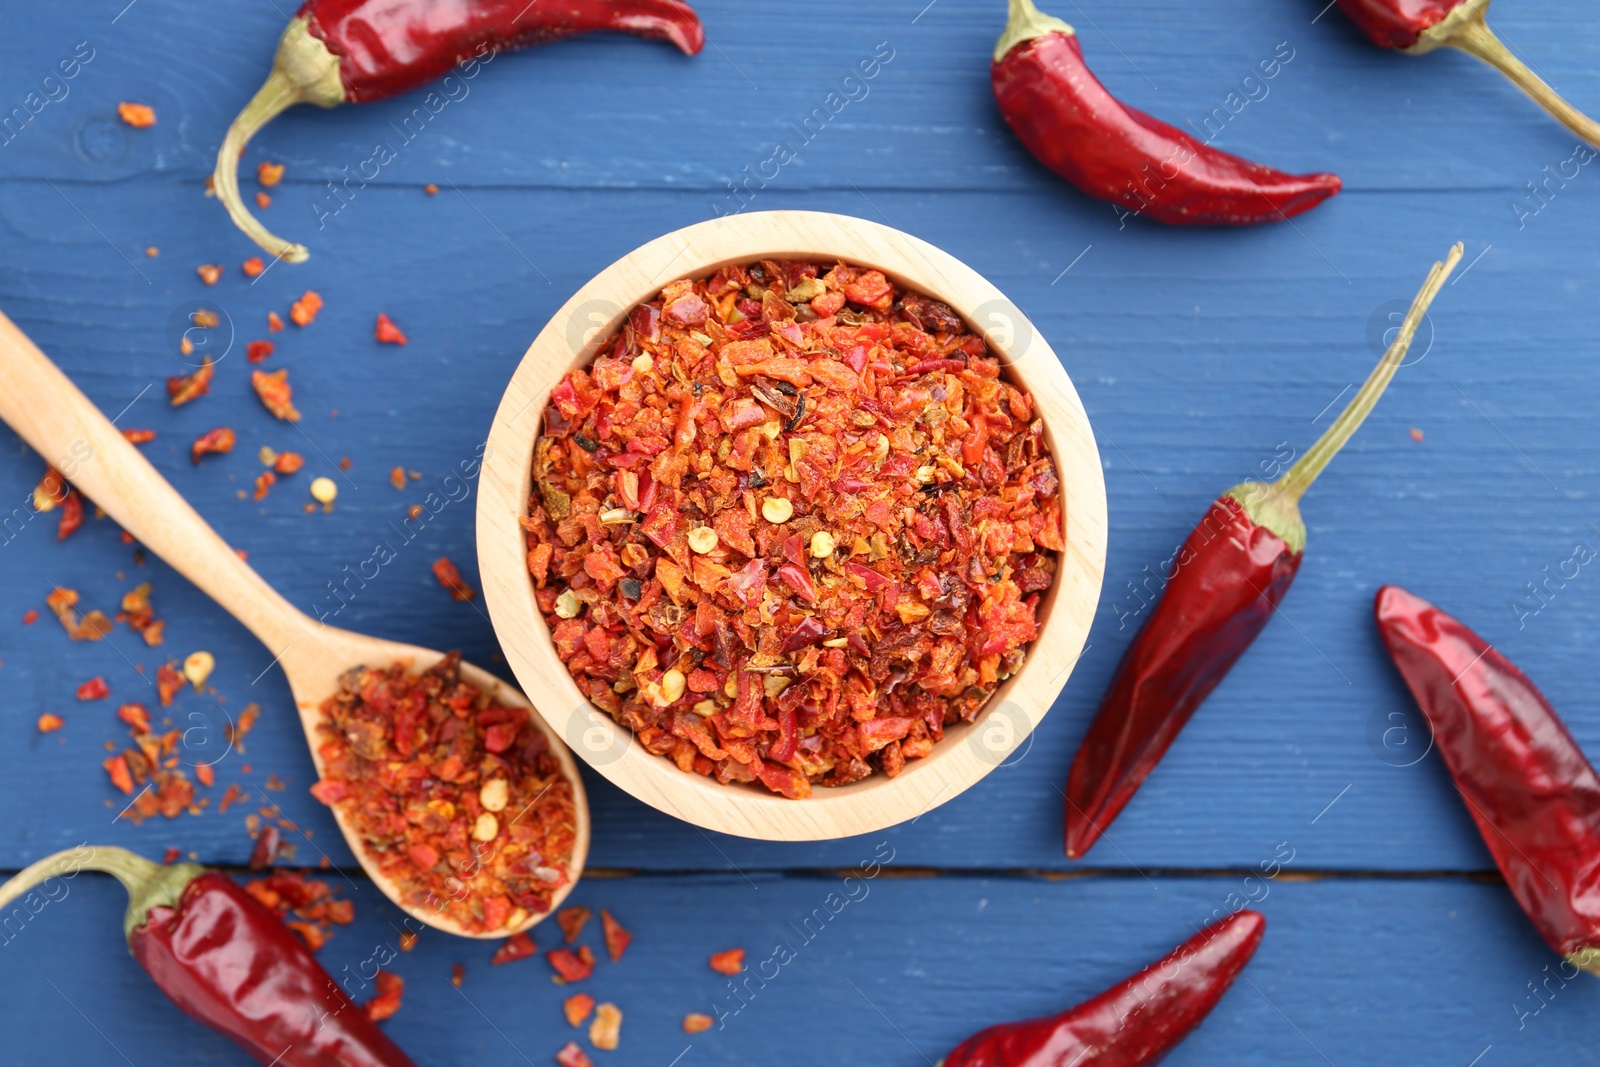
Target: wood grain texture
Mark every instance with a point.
(588, 321)
(1196, 354)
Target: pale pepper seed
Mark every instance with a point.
(776, 509)
(702, 539)
(822, 544)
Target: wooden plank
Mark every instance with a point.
(896, 971)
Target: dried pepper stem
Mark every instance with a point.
(148, 884)
(1467, 29)
(1277, 506)
(1024, 22)
(304, 71)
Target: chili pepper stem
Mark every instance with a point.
(149, 884)
(1466, 28)
(304, 71)
(1023, 23)
(1277, 506)
(1586, 959)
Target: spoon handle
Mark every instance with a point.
(64, 426)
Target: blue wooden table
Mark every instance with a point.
(1198, 355)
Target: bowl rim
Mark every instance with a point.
(968, 751)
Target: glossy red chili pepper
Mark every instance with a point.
(1072, 125)
(228, 962)
(1227, 580)
(1420, 26)
(1533, 794)
(1137, 1021)
(352, 51)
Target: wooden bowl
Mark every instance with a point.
(968, 751)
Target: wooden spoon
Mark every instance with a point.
(49, 412)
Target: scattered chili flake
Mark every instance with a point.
(573, 1056)
(577, 1008)
(205, 774)
(387, 1002)
(288, 462)
(606, 1030)
(414, 512)
(258, 351)
(814, 493)
(617, 939)
(571, 921)
(1416, 434)
(269, 174)
(266, 849)
(570, 966)
(168, 683)
(137, 716)
(210, 273)
(183, 390)
(171, 856)
(264, 481)
(397, 477)
(387, 332)
(91, 627)
(51, 491)
(94, 689)
(253, 267)
(516, 947)
(49, 723)
(275, 393)
(216, 441)
(274, 322)
(408, 940)
(121, 776)
(406, 758)
(139, 116)
(307, 905)
(263, 201)
(458, 974)
(71, 516)
(205, 318)
(139, 437)
(230, 797)
(729, 962)
(140, 616)
(185, 346)
(431, 189)
(450, 578)
(30, 617)
(697, 1022)
(152, 251)
(303, 311)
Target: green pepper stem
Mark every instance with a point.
(1024, 22)
(148, 884)
(1298, 478)
(304, 71)
(1473, 36)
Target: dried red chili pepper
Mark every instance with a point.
(1137, 1021)
(228, 962)
(1416, 27)
(1227, 581)
(1533, 794)
(353, 51)
(1071, 124)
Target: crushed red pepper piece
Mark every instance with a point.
(307, 905)
(91, 627)
(274, 322)
(121, 776)
(30, 617)
(139, 437)
(214, 442)
(390, 988)
(886, 521)
(458, 974)
(269, 174)
(137, 716)
(406, 758)
(94, 689)
(572, 921)
(265, 851)
(516, 947)
(264, 481)
(408, 940)
(139, 116)
(258, 351)
(49, 723)
(577, 1008)
(729, 962)
(387, 332)
(606, 1030)
(169, 681)
(617, 939)
(184, 389)
(275, 393)
(289, 462)
(397, 477)
(140, 616)
(450, 578)
(210, 273)
(263, 201)
(573, 1056)
(71, 516)
(568, 965)
(304, 311)
(697, 1022)
(253, 267)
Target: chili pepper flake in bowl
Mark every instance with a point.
(461, 802)
(791, 524)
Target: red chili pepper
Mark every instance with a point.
(228, 962)
(1416, 27)
(1227, 581)
(1072, 125)
(352, 51)
(1533, 794)
(1137, 1021)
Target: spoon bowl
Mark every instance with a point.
(42, 405)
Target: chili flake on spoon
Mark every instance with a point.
(791, 524)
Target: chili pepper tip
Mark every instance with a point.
(304, 71)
